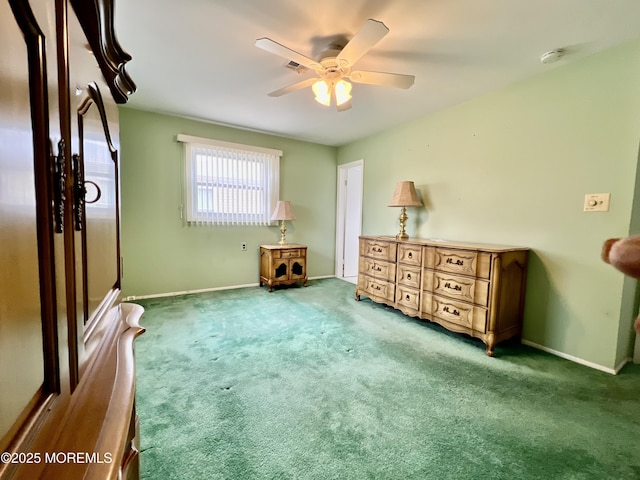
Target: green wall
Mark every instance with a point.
(162, 254)
(512, 168)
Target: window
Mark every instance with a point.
(229, 183)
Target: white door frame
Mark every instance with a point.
(341, 211)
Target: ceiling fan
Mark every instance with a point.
(333, 68)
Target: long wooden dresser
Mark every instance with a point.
(477, 289)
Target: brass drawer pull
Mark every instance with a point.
(407, 298)
(410, 255)
(448, 285)
(457, 262)
(452, 311)
(408, 276)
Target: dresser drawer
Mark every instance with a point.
(294, 252)
(378, 249)
(409, 276)
(464, 262)
(461, 314)
(378, 269)
(408, 297)
(410, 254)
(468, 289)
(376, 288)
(287, 253)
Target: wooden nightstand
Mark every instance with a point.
(283, 264)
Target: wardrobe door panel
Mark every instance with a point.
(21, 352)
(29, 373)
(99, 160)
(94, 142)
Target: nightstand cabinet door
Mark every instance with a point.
(297, 268)
(280, 269)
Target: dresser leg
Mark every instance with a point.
(357, 296)
(490, 345)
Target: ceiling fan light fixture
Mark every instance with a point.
(321, 90)
(343, 92)
(324, 90)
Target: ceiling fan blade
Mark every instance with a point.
(368, 35)
(285, 52)
(292, 88)
(381, 78)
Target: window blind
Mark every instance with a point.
(229, 184)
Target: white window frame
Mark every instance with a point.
(229, 183)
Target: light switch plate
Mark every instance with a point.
(596, 202)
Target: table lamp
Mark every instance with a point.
(283, 212)
(404, 196)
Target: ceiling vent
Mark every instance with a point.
(296, 67)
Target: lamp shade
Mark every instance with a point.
(283, 211)
(405, 195)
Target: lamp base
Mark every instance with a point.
(402, 235)
(283, 229)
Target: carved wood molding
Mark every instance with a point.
(102, 409)
(95, 97)
(97, 20)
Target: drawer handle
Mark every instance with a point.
(376, 268)
(452, 311)
(407, 298)
(448, 285)
(377, 250)
(410, 255)
(456, 262)
(408, 276)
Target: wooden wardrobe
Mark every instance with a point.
(67, 378)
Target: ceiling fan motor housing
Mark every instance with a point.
(328, 60)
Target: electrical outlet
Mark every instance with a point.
(243, 246)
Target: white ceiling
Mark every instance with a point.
(196, 58)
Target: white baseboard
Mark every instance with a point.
(612, 371)
(187, 292)
(202, 290)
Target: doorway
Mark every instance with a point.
(349, 219)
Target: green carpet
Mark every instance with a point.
(307, 383)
